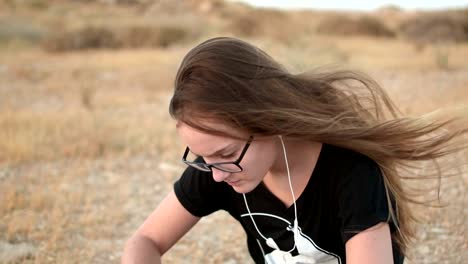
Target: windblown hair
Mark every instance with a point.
(232, 81)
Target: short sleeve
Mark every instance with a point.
(362, 198)
(198, 192)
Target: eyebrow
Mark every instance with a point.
(216, 153)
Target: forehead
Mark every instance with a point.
(203, 142)
(212, 128)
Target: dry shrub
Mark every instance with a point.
(85, 38)
(258, 22)
(105, 38)
(280, 26)
(147, 36)
(347, 26)
(245, 25)
(169, 35)
(432, 28)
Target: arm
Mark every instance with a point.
(372, 245)
(160, 231)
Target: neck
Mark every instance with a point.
(299, 153)
(302, 158)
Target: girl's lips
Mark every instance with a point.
(233, 182)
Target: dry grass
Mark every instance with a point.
(76, 107)
(60, 143)
(87, 148)
(360, 26)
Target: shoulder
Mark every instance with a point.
(199, 193)
(346, 161)
(352, 175)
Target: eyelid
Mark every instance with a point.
(214, 156)
(227, 155)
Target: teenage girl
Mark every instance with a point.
(308, 165)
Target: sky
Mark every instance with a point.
(358, 5)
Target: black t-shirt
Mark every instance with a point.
(345, 195)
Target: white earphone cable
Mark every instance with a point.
(251, 217)
(290, 184)
(270, 242)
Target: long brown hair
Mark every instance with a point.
(230, 80)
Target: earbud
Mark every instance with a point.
(271, 243)
(296, 231)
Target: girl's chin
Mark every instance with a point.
(242, 187)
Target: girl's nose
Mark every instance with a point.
(219, 175)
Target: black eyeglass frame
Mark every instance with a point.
(208, 166)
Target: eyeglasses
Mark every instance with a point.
(230, 166)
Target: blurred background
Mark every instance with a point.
(87, 147)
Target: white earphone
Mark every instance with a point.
(269, 241)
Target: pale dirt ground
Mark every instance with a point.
(80, 208)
